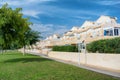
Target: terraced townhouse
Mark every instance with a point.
(104, 27)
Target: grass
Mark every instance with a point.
(15, 66)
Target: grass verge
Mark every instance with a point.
(15, 66)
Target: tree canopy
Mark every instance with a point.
(14, 29)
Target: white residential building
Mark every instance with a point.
(103, 28)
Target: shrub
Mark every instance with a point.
(117, 50)
(65, 48)
(105, 46)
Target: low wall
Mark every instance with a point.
(110, 61)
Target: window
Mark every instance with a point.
(108, 32)
(116, 33)
(71, 35)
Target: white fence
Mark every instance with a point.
(109, 61)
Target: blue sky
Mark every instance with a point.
(58, 16)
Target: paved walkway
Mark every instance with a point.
(99, 70)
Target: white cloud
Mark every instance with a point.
(108, 2)
(80, 13)
(83, 17)
(11, 2)
(23, 2)
(40, 1)
(93, 13)
(30, 7)
(32, 13)
(49, 29)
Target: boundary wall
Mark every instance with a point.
(108, 61)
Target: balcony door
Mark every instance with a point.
(116, 31)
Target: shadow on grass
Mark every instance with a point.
(25, 60)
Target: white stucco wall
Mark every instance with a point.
(110, 61)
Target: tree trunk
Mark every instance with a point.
(1, 51)
(23, 50)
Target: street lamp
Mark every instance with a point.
(79, 47)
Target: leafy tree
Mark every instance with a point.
(12, 25)
(14, 29)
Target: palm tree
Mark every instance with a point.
(30, 38)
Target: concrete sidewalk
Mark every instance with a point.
(99, 70)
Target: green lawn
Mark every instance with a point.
(15, 66)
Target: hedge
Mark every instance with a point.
(65, 48)
(105, 46)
